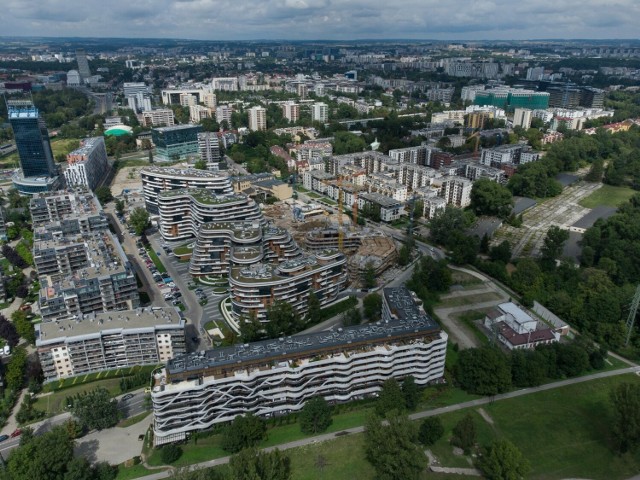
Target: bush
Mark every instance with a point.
(170, 453)
(431, 430)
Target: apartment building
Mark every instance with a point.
(160, 117)
(291, 111)
(183, 212)
(156, 180)
(255, 288)
(197, 113)
(320, 112)
(389, 208)
(62, 213)
(87, 165)
(104, 341)
(209, 147)
(223, 245)
(224, 113)
(420, 155)
(275, 377)
(456, 191)
(83, 273)
(257, 119)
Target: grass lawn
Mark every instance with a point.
(156, 260)
(127, 473)
(313, 195)
(329, 201)
(133, 420)
(64, 145)
(468, 318)
(464, 279)
(468, 300)
(182, 250)
(54, 403)
(608, 196)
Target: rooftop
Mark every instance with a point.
(177, 127)
(95, 323)
(595, 214)
(203, 196)
(182, 172)
(274, 349)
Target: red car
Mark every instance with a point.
(16, 433)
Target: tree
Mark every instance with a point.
(200, 164)
(14, 374)
(369, 276)
(464, 434)
(96, 409)
(553, 244)
(24, 327)
(315, 416)
(503, 461)
(251, 329)
(244, 432)
(411, 392)
(501, 252)
(283, 320)
(391, 449)
(491, 198)
(483, 371)
(314, 314)
(170, 453)
(9, 332)
(139, 220)
(351, 317)
(431, 430)
(390, 398)
(44, 457)
(404, 256)
(120, 206)
(250, 464)
(625, 399)
(596, 171)
(103, 194)
(449, 221)
(372, 305)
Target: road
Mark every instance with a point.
(417, 416)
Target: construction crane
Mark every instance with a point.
(475, 148)
(340, 230)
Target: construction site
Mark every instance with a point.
(316, 229)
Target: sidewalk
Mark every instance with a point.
(12, 424)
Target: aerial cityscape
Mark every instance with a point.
(305, 240)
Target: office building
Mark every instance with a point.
(156, 180)
(275, 377)
(291, 111)
(516, 329)
(83, 64)
(320, 112)
(257, 119)
(176, 142)
(108, 341)
(183, 212)
(173, 96)
(160, 117)
(73, 78)
(87, 166)
(38, 172)
(512, 98)
(209, 146)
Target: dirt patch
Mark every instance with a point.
(127, 178)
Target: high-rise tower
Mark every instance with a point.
(83, 64)
(38, 170)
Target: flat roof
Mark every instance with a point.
(518, 314)
(521, 204)
(595, 214)
(403, 305)
(96, 323)
(275, 349)
(187, 173)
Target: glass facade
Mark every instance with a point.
(176, 142)
(32, 140)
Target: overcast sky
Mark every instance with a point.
(323, 19)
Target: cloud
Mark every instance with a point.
(323, 19)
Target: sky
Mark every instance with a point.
(323, 19)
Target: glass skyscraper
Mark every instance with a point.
(32, 141)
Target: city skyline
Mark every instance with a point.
(324, 19)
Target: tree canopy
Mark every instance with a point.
(245, 431)
(315, 416)
(625, 399)
(250, 464)
(502, 460)
(139, 220)
(96, 409)
(483, 371)
(491, 198)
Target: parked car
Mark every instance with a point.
(3, 437)
(198, 290)
(16, 433)
(170, 284)
(126, 397)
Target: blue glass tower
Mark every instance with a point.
(32, 139)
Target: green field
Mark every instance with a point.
(608, 196)
(468, 300)
(54, 403)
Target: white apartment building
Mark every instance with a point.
(274, 377)
(209, 146)
(197, 113)
(160, 117)
(88, 164)
(109, 340)
(320, 112)
(455, 116)
(188, 100)
(223, 113)
(257, 119)
(225, 84)
(291, 111)
(209, 99)
(456, 191)
(522, 118)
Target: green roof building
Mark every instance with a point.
(511, 98)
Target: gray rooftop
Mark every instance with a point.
(595, 214)
(97, 323)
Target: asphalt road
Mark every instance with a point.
(417, 416)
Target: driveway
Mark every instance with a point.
(114, 445)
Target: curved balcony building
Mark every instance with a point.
(156, 180)
(254, 289)
(183, 212)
